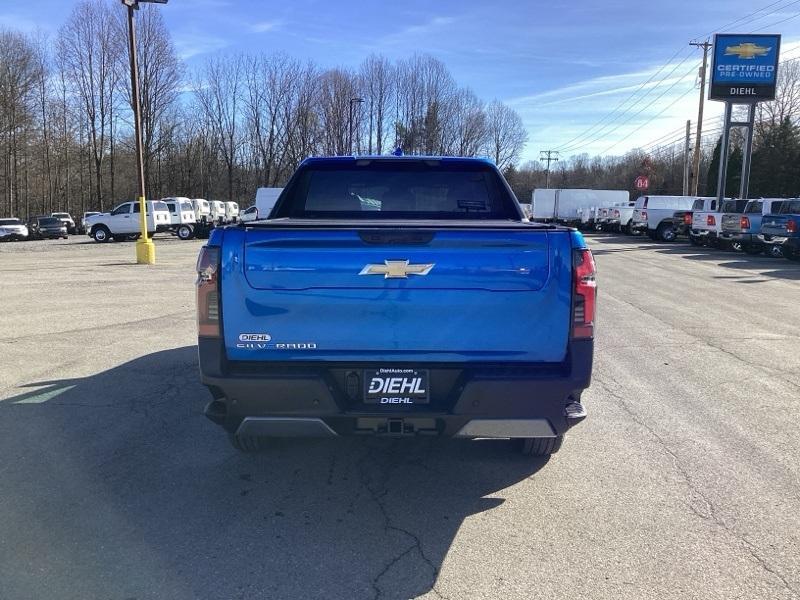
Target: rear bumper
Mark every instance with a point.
(778, 240)
(639, 226)
(466, 400)
(733, 236)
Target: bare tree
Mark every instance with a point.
(218, 95)
(506, 134)
(18, 76)
(90, 50)
(377, 84)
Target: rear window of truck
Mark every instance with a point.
(402, 189)
(754, 208)
(733, 206)
(791, 207)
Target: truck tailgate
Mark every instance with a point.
(478, 295)
(774, 225)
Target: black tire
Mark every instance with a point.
(185, 232)
(791, 253)
(752, 249)
(537, 446)
(694, 241)
(101, 234)
(627, 230)
(774, 251)
(666, 233)
(247, 444)
(134, 236)
(735, 246)
(651, 233)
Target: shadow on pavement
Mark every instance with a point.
(116, 486)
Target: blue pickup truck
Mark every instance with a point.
(396, 296)
(782, 229)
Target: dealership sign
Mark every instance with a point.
(744, 67)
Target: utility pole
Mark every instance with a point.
(695, 174)
(686, 158)
(549, 156)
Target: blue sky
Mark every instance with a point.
(563, 65)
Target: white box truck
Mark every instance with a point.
(566, 205)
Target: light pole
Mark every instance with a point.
(350, 122)
(145, 248)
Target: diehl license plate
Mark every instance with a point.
(396, 386)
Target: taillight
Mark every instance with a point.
(687, 218)
(744, 223)
(791, 226)
(208, 292)
(644, 215)
(584, 294)
(616, 213)
(710, 221)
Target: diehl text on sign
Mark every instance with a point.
(744, 67)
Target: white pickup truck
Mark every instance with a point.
(123, 222)
(621, 218)
(707, 216)
(654, 215)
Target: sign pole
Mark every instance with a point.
(145, 248)
(722, 176)
(747, 159)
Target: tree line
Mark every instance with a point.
(217, 131)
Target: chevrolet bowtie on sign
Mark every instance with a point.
(396, 269)
(745, 67)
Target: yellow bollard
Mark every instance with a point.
(145, 248)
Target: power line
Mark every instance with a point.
(586, 132)
(794, 16)
(755, 12)
(644, 108)
(670, 105)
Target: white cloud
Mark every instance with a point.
(264, 26)
(190, 44)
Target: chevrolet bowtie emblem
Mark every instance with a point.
(747, 50)
(396, 269)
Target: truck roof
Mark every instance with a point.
(332, 160)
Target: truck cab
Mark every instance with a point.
(218, 212)
(181, 216)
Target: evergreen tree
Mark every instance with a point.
(734, 175)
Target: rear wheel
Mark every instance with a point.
(101, 234)
(791, 253)
(185, 232)
(665, 232)
(537, 446)
(775, 251)
(246, 443)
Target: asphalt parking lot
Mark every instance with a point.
(682, 483)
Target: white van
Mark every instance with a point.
(231, 212)
(217, 211)
(653, 215)
(202, 210)
(123, 222)
(181, 216)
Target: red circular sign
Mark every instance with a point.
(642, 182)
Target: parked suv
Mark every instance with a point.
(123, 222)
(41, 228)
(67, 219)
(12, 230)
